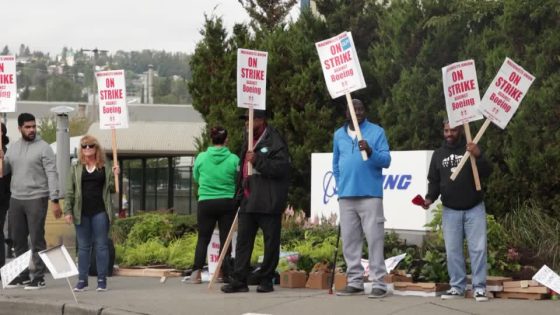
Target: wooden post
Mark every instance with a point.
(473, 160)
(250, 139)
(355, 123)
(115, 160)
(224, 250)
(467, 154)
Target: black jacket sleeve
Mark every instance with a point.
(434, 179)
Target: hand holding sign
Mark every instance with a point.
(501, 100)
(251, 87)
(342, 72)
(462, 100)
(113, 110)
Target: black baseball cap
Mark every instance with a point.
(257, 113)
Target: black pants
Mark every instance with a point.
(27, 218)
(209, 212)
(249, 223)
(2, 238)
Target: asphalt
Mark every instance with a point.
(145, 295)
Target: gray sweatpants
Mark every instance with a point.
(359, 217)
(27, 218)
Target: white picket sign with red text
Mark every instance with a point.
(251, 78)
(341, 67)
(503, 96)
(8, 86)
(462, 96)
(113, 110)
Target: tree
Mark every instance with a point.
(267, 14)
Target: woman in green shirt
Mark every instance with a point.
(215, 171)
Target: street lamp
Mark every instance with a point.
(62, 144)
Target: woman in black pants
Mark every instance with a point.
(215, 171)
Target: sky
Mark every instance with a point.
(170, 25)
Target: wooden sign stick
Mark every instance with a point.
(224, 250)
(473, 160)
(355, 123)
(115, 160)
(250, 138)
(467, 154)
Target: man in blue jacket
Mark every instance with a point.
(360, 193)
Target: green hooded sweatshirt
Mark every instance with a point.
(215, 171)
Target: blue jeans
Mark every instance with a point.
(469, 224)
(93, 230)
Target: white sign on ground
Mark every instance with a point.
(462, 97)
(402, 181)
(214, 251)
(548, 278)
(503, 96)
(251, 78)
(59, 262)
(341, 67)
(113, 111)
(12, 269)
(8, 86)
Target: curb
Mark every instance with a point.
(10, 306)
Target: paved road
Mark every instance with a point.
(143, 295)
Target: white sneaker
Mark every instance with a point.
(453, 293)
(480, 296)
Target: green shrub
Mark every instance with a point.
(163, 226)
(534, 232)
(181, 251)
(152, 252)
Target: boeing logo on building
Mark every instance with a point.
(390, 182)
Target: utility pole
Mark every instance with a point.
(94, 111)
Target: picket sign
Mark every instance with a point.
(8, 92)
(342, 72)
(501, 100)
(224, 249)
(462, 100)
(251, 87)
(113, 110)
(60, 264)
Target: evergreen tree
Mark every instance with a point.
(267, 14)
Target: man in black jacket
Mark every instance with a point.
(263, 198)
(4, 199)
(464, 213)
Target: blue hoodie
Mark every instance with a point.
(354, 176)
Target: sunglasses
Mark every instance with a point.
(91, 146)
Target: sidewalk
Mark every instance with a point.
(144, 295)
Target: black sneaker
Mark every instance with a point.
(18, 281)
(235, 287)
(36, 284)
(377, 293)
(453, 293)
(348, 290)
(265, 287)
(480, 296)
(81, 286)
